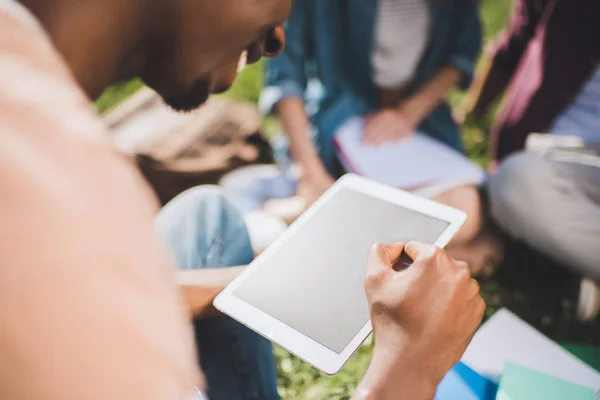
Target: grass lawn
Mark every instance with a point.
(297, 380)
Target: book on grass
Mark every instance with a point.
(506, 338)
(588, 354)
(521, 383)
(418, 163)
(462, 383)
(453, 387)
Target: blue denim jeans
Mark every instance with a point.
(204, 231)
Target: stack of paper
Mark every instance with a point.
(418, 162)
(505, 338)
(509, 360)
(588, 354)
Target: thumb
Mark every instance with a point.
(384, 255)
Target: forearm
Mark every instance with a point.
(396, 375)
(418, 106)
(200, 287)
(296, 124)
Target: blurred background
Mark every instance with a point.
(553, 317)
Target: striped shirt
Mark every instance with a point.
(401, 37)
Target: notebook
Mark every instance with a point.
(462, 383)
(418, 163)
(588, 354)
(520, 383)
(484, 388)
(506, 338)
(453, 387)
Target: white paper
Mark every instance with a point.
(564, 148)
(418, 161)
(506, 338)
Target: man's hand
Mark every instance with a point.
(199, 288)
(423, 319)
(386, 126)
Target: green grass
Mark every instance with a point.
(297, 380)
(116, 94)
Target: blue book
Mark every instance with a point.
(462, 383)
(484, 388)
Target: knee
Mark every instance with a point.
(204, 229)
(517, 189)
(202, 200)
(198, 204)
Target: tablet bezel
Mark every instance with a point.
(287, 337)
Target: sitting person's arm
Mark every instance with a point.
(286, 76)
(315, 178)
(423, 319)
(393, 123)
(400, 119)
(200, 287)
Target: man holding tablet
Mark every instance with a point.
(89, 309)
(423, 317)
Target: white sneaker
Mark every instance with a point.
(588, 306)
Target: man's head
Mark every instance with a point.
(184, 49)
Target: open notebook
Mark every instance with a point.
(419, 163)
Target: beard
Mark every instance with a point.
(192, 99)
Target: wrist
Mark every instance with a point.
(313, 170)
(398, 374)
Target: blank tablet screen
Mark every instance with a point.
(314, 282)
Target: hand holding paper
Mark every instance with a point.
(387, 126)
(415, 162)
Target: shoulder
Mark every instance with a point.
(11, 10)
(38, 89)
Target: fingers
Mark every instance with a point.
(385, 126)
(384, 255)
(381, 259)
(473, 289)
(389, 253)
(373, 131)
(380, 264)
(419, 251)
(379, 129)
(476, 310)
(385, 132)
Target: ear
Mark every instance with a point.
(275, 41)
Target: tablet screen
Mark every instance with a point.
(314, 282)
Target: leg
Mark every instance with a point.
(474, 243)
(204, 231)
(550, 206)
(465, 198)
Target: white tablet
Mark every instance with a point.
(306, 291)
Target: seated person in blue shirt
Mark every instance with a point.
(392, 62)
